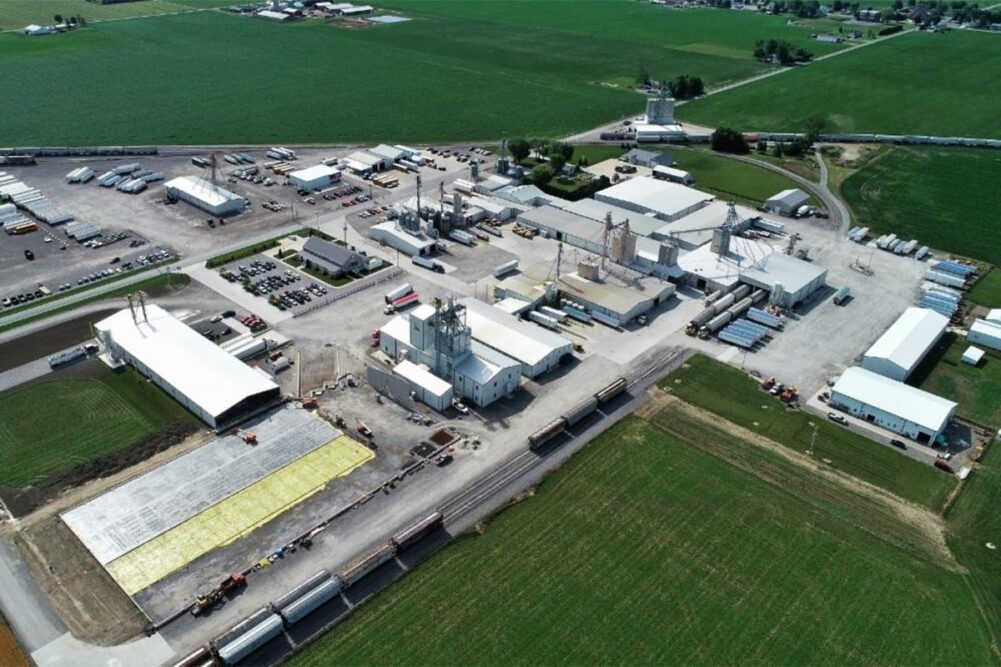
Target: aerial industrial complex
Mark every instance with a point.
(356, 353)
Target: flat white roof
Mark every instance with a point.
(422, 377)
(986, 328)
(743, 253)
(973, 355)
(527, 343)
(203, 190)
(993, 315)
(364, 157)
(790, 197)
(896, 398)
(595, 210)
(620, 300)
(390, 228)
(660, 197)
(390, 152)
(196, 367)
(777, 267)
(908, 339)
(315, 172)
(397, 328)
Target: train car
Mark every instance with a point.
(547, 433)
(417, 531)
(288, 598)
(308, 603)
(581, 411)
(354, 572)
(202, 657)
(249, 641)
(611, 391)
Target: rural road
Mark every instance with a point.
(844, 217)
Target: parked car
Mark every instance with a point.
(898, 444)
(837, 419)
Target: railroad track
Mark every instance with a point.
(463, 502)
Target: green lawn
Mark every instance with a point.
(987, 290)
(19, 13)
(729, 393)
(729, 179)
(977, 390)
(940, 196)
(459, 70)
(645, 550)
(52, 426)
(876, 89)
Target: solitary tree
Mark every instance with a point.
(542, 174)
(728, 140)
(557, 162)
(814, 128)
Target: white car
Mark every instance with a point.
(217, 318)
(461, 407)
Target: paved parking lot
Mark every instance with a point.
(276, 283)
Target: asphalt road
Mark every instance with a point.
(23, 604)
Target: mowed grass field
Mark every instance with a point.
(874, 90)
(987, 290)
(458, 70)
(729, 179)
(644, 549)
(15, 14)
(51, 426)
(940, 196)
(729, 393)
(976, 389)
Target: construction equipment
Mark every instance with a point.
(768, 383)
(247, 436)
(363, 429)
(229, 585)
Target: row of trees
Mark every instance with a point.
(781, 52)
(729, 140)
(557, 153)
(685, 87)
(77, 20)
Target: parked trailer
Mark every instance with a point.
(717, 323)
(581, 411)
(399, 291)
(427, 263)
(251, 640)
(543, 320)
(309, 602)
(769, 226)
(354, 572)
(547, 433)
(406, 300)
(557, 315)
(127, 168)
(462, 237)
(576, 313)
(506, 268)
(416, 531)
(922, 252)
(611, 391)
(948, 279)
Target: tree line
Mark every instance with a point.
(781, 52)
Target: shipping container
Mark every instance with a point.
(506, 268)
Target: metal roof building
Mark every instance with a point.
(535, 348)
(206, 195)
(618, 305)
(985, 333)
(331, 258)
(707, 270)
(901, 348)
(391, 234)
(787, 201)
(789, 280)
(662, 199)
(561, 225)
(430, 389)
(199, 374)
(315, 178)
(891, 404)
(643, 225)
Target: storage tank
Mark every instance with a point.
(725, 302)
(558, 315)
(741, 291)
(716, 323)
(251, 640)
(308, 603)
(543, 320)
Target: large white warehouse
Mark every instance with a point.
(789, 281)
(986, 333)
(199, 374)
(902, 347)
(315, 178)
(206, 195)
(650, 196)
(535, 348)
(891, 404)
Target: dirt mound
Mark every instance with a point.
(24, 501)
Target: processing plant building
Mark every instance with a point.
(650, 196)
(201, 376)
(205, 195)
(902, 347)
(536, 349)
(891, 404)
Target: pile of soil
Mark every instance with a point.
(26, 500)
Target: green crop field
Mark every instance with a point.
(16, 14)
(729, 393)
(940, 196)
(458, 70)
(874, 90)
(51, 426)
(977, 390)
(730, 179)
(645, 549)
(987, 290)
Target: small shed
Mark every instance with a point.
(787, 202)
(973, 356)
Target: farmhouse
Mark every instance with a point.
(331, 258)
(200, 375)
(205, 195)
(891, 404)
(902, 347)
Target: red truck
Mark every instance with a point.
(942, 465)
